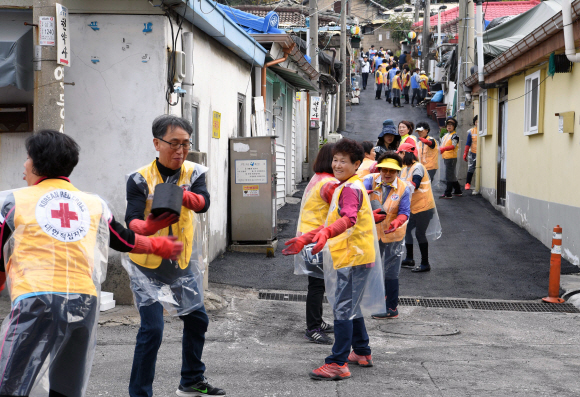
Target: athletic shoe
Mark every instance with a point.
(327, 328)
(458, 194)
(362, 361)
(445, 197)
(408, 263)
(200, 389)
(389, 314)
(317, 336)
(421, 268)
(331, 371)
(467, 186)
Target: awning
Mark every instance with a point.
(213, 21)
(294, 78)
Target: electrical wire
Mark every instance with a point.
(521, 96)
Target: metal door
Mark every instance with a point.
(501, 153)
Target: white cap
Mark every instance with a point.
(422, 72)
(419, 129)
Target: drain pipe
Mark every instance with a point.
(479, 36)
(569, 31)
(267, 65)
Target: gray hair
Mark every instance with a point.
(162, 123)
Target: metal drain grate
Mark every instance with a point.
(514, 306)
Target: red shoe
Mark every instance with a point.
(467, 186)
(331, 371)
(363, 361)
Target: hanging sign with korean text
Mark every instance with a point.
(215, 128)
(62, 36)
(46, 29)
(315, 107)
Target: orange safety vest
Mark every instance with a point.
(391, 207)
(396, 83)
(56, 232)
(422, 198)
(429, 157)
(365, 168)
(405, 79)
(356, 246)
(379, 77)
(315, 209)
(446, 141)
(473, 132)
(423, 82)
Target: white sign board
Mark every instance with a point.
(46, 30)
(251, 171)
(315, 108)
(62, 36)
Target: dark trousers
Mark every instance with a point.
(349, 333)
(379, 89)
(431, 174)
(416, 94)
(406, 94)
(57, 324)
(388, 94)
(149, 340)
(314, 299)
(453, 186)
(365, 79)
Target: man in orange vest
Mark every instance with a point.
(448, 149)
(428, 149)
(470, 154)
(55, 239)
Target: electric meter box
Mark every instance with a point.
(253, 189)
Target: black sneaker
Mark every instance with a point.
(408, 263)
(201, 388)
(388, 315)
(327, 328)
(317, 336)
(421, 268)
(458, 194)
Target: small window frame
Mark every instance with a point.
(529, 129)
(482, 118)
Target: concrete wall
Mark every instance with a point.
(540, 191)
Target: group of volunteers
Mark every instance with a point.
(394, 75)
(55, 241)
(364, 207)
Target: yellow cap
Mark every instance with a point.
(390, 163)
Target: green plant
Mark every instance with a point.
(443, 132)
(399, 26)
(322, 143)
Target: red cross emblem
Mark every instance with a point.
(64, 215)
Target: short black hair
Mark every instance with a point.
(424, 125)
(351, 147)
(323, 162)
(53, 153)
(390, 155)
(409, 158)
(162, 123)
(368, 146)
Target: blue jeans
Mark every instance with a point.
(349, 291)
(149, 340)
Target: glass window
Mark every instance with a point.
(532, 103)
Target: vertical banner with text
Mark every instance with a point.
(62, 36)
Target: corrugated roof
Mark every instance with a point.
(492, 10)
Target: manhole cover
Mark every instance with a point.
(418, 329)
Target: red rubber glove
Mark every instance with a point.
(396, 223)
(379, 217)
(465, 153)
(425, 141)
(443, 149)
(193, 201)
(153, 223)
(296, 244)
(2, 281)
(166, 247)
(327, 191)
(338, 227)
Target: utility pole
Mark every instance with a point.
(464, 110)
(313, 30)
(49, 80)
(425, 39)
(417, 8)
(345, 67)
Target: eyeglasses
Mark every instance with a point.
(176, 146)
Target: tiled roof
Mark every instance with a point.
(492, 10)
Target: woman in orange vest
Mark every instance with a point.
(448, 149)
(396, 87)
(470, 154)
(424, 222)
(406, 131)
(352, 265)
(55, 239)
(428, 149)
(313, 213)
(390, 194)
(368, 165)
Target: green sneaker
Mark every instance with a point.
(200, 389)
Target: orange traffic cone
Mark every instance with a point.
(555, 264)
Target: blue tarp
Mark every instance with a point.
(252, 23)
